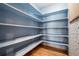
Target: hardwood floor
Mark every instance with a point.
(43, 50)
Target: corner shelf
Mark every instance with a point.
(28, 48)
(14, 25)
(18, 40)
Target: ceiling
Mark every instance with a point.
(41, 6)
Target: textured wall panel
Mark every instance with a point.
(74, 38)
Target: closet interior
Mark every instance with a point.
(25, 26)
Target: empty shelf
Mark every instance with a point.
(18, 40)
(56, 12)
(55, 43)
(14, 25)
(56, 20)
(25, 13)
(55, 35)
(56, 27)
(28, 48)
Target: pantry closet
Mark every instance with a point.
(24, 26)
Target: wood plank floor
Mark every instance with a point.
(42, 50)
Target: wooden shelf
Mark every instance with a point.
(14, 25)
(25, 13)
(18, 40)
(28, 48)
(56, 43)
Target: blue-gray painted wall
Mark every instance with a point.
(7, 33)
(54, 20)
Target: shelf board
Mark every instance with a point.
(28, 48)
(25, 13)
(57, 41)
(56, 27)
(55, 20)
(14, 25)
(62, 44)
(56, 12)
(55, 35)
(18, 40)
